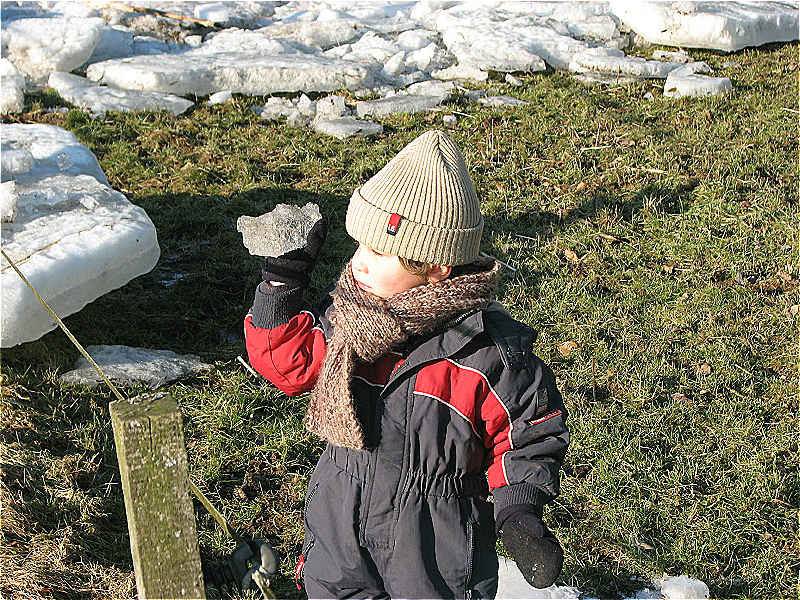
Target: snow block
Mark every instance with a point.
(12, 99)
(43, 150)
(40, 46)
(727, 26)
(87, 94)
(200, 74)
(73, 237)
(690, 80)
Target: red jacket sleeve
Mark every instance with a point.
(289, 355)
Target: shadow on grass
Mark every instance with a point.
(545, 225)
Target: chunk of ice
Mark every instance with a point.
(75, 239)
(397, 104)
(345, 127)
(727, 26)
(53, 150)
(126, 365)
(690, 80)
(40, 46)
(12, 99)
(98, 99)
(681, 587)
(244, 73)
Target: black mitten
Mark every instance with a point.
(275, 305)
(294, 268)
(535, 549)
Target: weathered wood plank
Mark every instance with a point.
(152, 461)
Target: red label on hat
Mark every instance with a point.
(394, 224)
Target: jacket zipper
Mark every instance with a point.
(470, 560)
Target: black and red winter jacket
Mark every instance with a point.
(458, 404)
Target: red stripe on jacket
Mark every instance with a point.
(469, 393)
(290, 355)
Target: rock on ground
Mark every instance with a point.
(87, 94)
(279, 231)
(126, 365)
(73, 237)
(12, 99)
(37, 47)
(243, 73)
(725, 26)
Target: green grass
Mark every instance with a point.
(682, 216)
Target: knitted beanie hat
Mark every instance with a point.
(420, 206)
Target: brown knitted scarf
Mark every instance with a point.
(366, 327)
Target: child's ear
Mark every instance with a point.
(439, 273)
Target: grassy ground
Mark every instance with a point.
(660, 237)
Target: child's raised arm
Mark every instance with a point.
(284, 340)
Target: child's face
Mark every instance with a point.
(382, 274)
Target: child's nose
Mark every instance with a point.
(358, 260)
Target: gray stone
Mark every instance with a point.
(500, 101)
(40, 46)
(397, 104)
(450, 120)
(346, 127)
(282, 230)
(511, 80)
(243, 73)
(99, 99)
(126, 365)
(275, 108)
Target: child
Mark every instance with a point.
(420, 384)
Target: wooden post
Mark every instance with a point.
(152, 463)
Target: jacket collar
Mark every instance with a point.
(452, 338)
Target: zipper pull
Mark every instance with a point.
(298, 571)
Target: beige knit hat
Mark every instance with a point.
(420, 206)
